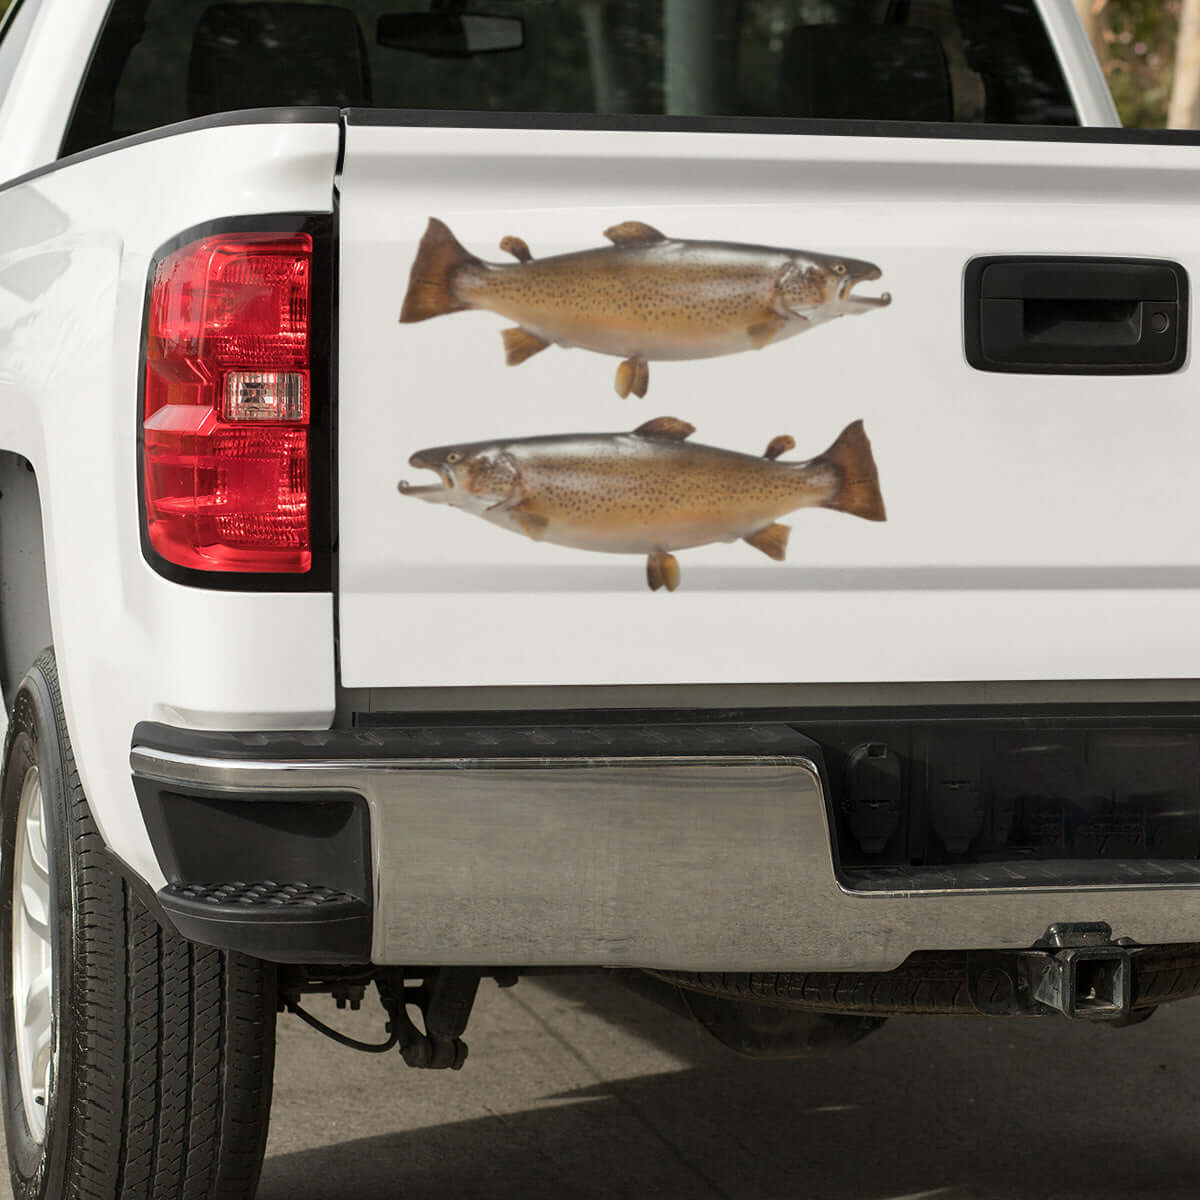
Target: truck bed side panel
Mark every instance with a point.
(75, 248)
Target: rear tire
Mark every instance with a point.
(156, 1084)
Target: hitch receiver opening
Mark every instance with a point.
(1088, 984)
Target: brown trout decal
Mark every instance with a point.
(646, 297)
(649, 492)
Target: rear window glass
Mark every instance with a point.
(160, 61)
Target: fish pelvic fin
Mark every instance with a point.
(634, 233)
(662, 571)
(520, 344)
(772, 541)
(633, 375)
(858, 488)
(431, 281)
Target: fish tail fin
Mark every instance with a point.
(858, 487)
(431, 283)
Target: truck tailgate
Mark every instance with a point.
(1039, 526)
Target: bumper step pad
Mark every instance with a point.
(274, 895)
(283, 922)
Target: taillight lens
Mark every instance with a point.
(227, 404)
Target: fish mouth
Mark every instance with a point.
(856, 303)
(862, 303)
(442, 489)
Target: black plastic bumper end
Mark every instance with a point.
(285, 923)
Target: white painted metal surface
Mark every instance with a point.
(37, 106)
(1039, 527)
(75, 249)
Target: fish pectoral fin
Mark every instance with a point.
(666, 427)
(779, 445)
(515, 500)
(662, 571)
(516, 497)
(634, 233)
(761, 333)
(532, 525)
(633, 375)
(517, 247)
(772, 541)
(520, 344)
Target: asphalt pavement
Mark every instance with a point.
(578, 1088)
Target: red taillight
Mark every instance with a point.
(228, 397)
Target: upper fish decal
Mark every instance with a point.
(649, 492)
(646, 297)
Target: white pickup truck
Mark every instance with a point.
(403, 416)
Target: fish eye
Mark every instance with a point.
(839, 268)
(453, 456)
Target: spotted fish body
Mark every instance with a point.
(646, 297)
(666, 301)
(648, 492)
(631, 494)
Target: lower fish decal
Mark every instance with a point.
(649, 492)
(646, 297)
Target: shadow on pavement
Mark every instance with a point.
(957, 1108)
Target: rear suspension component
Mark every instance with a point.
(443, 996)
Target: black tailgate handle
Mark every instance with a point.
(1076, 316)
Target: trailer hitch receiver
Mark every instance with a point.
(1088, 976)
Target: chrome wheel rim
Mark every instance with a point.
(32, 952)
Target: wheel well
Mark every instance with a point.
(24, 600)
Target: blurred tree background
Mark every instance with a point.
(1150, 51)
(1153, 71)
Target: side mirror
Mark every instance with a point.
(450, 35)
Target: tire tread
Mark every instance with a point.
(173, 1042)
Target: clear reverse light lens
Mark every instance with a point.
(265, 396)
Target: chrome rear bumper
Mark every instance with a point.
(699, 862)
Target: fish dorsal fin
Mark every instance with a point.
(779, 445)
(634, 233)
(666, 427)
(517, 247)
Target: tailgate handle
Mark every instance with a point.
(1076, 316)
